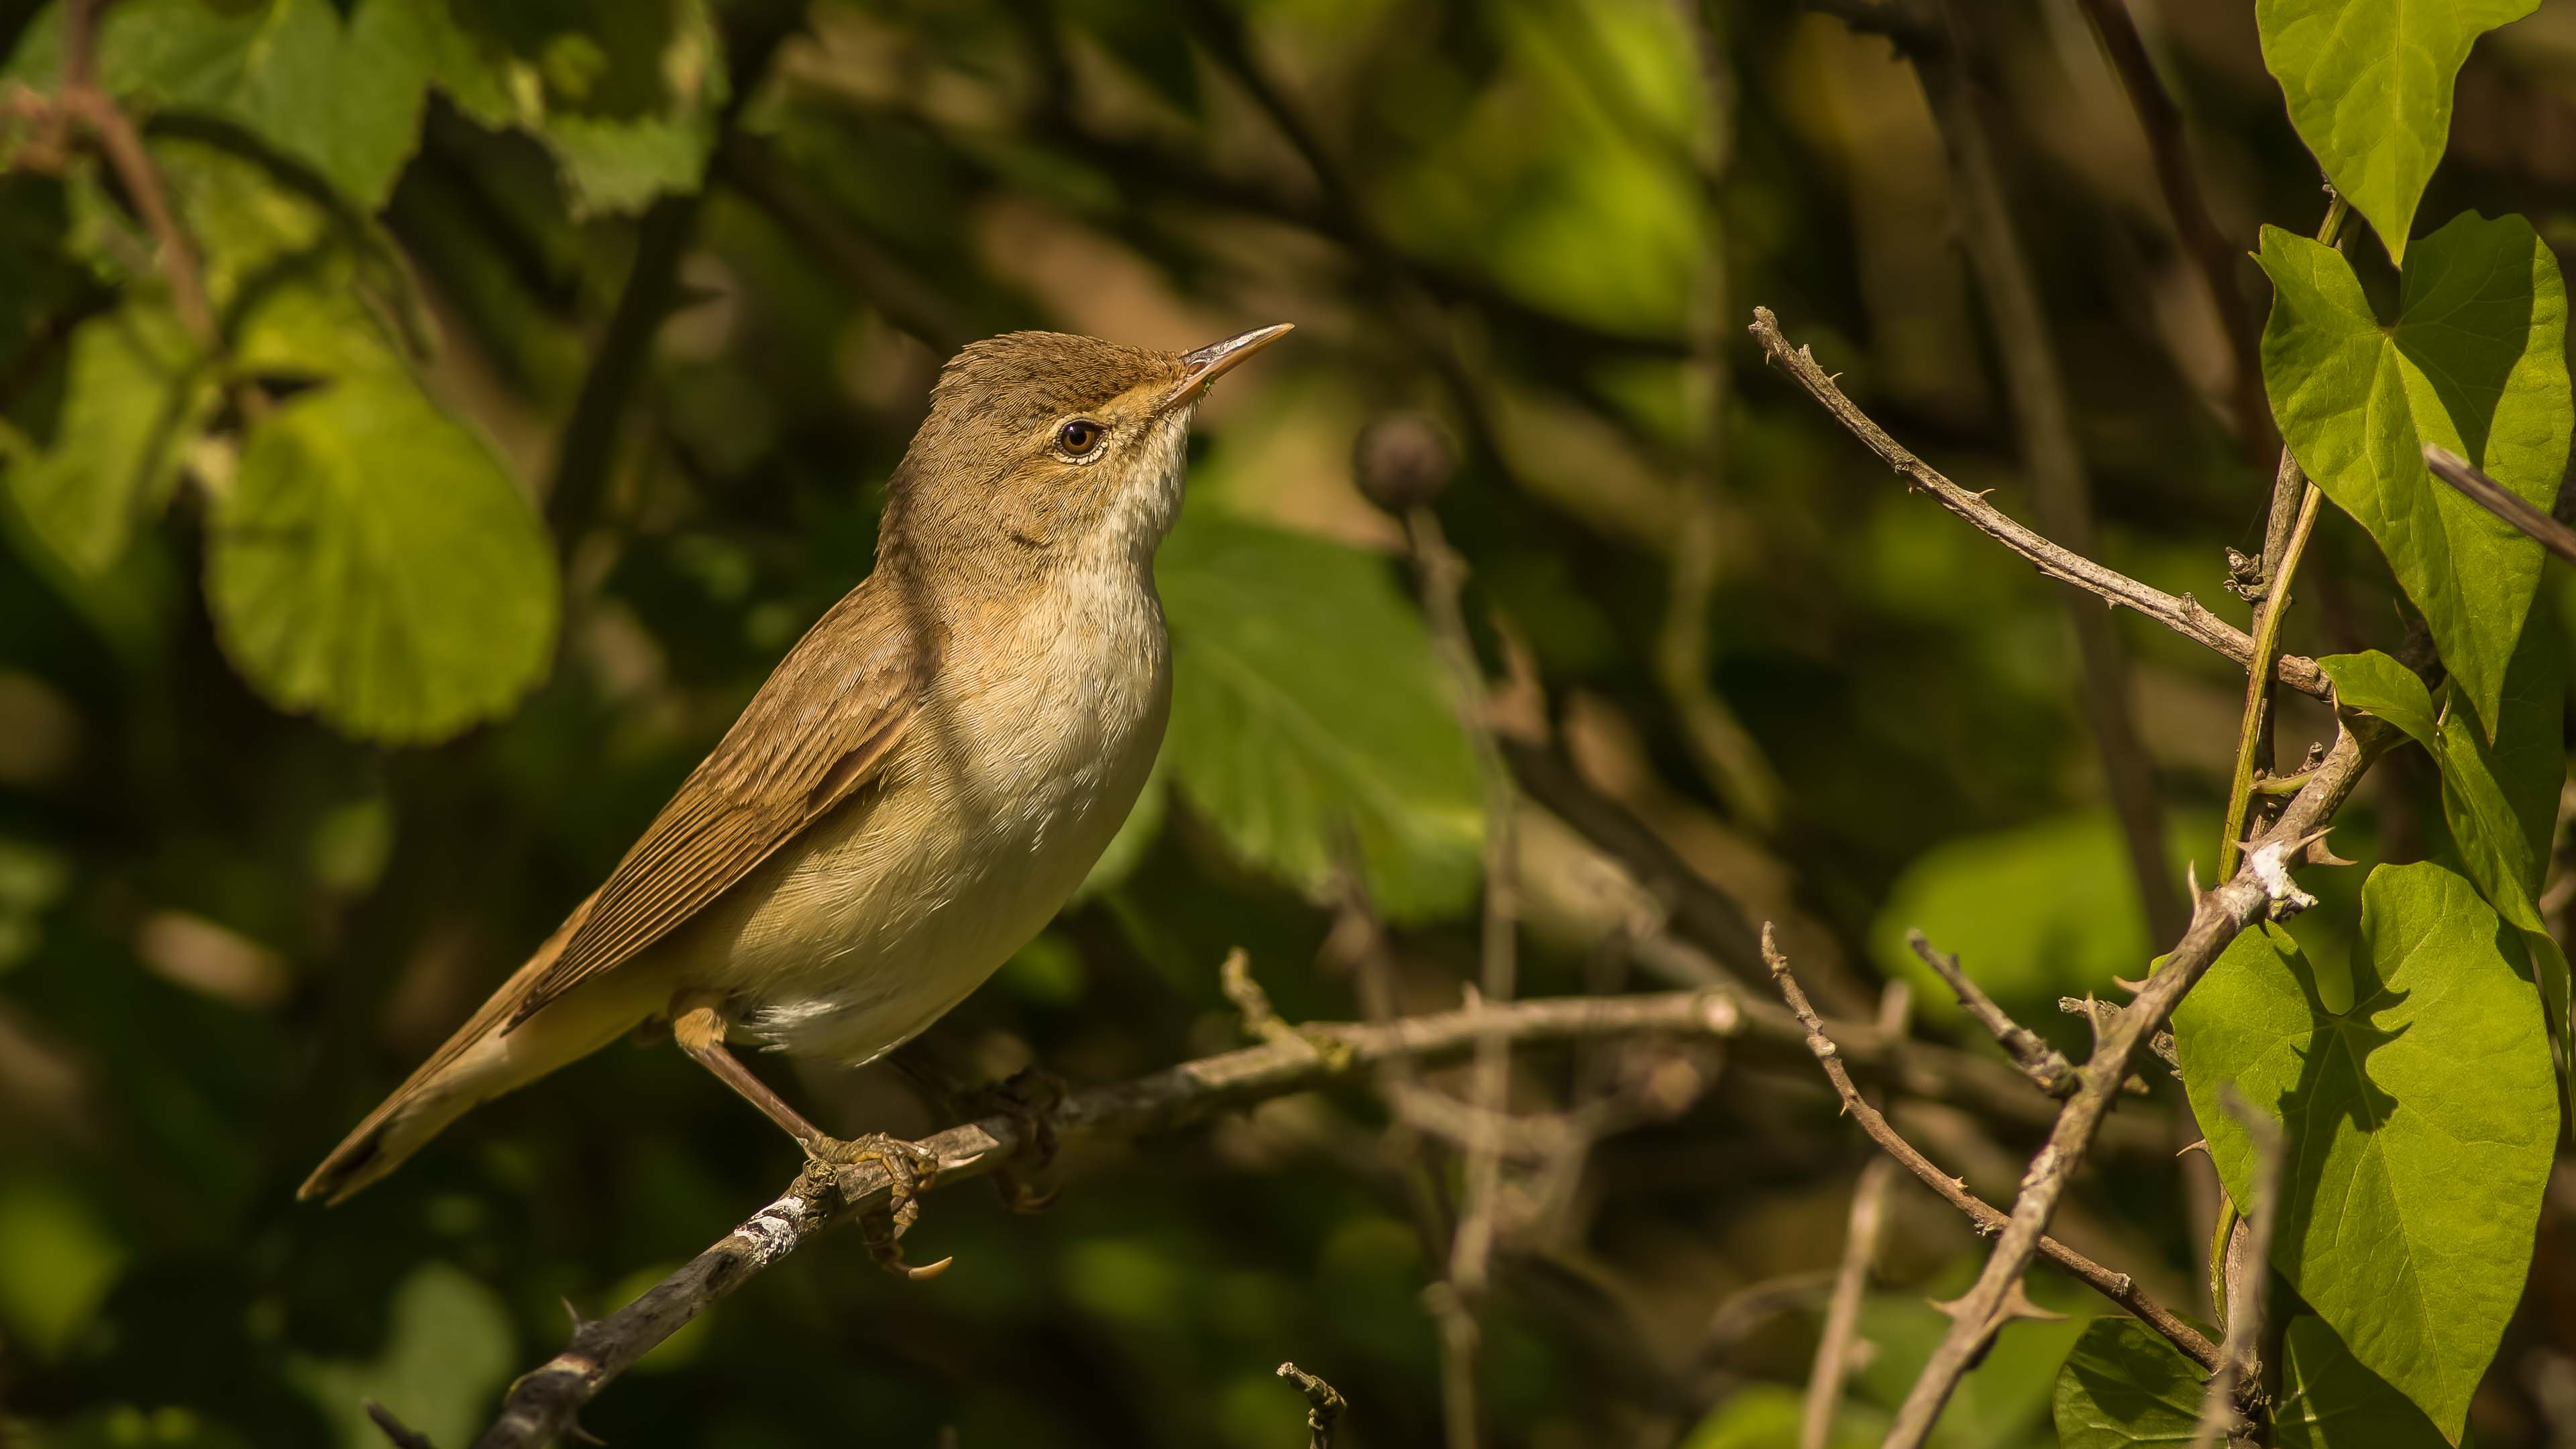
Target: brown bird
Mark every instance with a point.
(921, 783)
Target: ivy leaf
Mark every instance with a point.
(343, 96)
(2419, 1123)
(2329, 1400)
(135, 391)
(2376, 684)
(1307, 708)
(2123, 1385)
(2476, 363)
(374, 564)
(2369, 87)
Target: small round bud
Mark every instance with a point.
(1403, 461)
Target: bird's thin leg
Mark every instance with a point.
(698, 1024)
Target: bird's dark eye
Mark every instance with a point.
(1080, 438)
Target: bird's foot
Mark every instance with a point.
(910, 1170)
(1029, 1097)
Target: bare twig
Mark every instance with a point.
(2039, 1061)
(2051, 453)
(2238, 1382)
(2209, 249)
(1324, 1405)
(2184, 615)
(2501, 501)
(541, 1405)
(2118, 1287)
(1726, 753)
(396, 1432)
(2100, 1014)
(2260, 887)
(1444, 575)
(1860, 1249)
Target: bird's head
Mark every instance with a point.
(1044, 451)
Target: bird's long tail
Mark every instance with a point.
(485, 1058)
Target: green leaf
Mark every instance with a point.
(2500, 802)
(340, 96)
(2123, 1385)
(2369, 87)
(625, 95)
(2476, 363)
(2329, 1400)
(2376, 684)
(134, 395)
(1307, 707)
(375, 565)
(449, 1346)
(2419, 1125)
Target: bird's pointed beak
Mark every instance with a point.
(1207, 364)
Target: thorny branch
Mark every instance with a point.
(2260, 887)
(2042, 1063)
(1834, 1355)
(2118, 1287)
(542, 1405)
(2184, 615)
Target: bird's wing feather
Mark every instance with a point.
(821, 727)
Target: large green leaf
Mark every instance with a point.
(1307, 708)
(2369, 86)
(375, 565)
(2476, 362)
(2419, 1123)
(135, 391)
(2123, 1385)
(342, 96)
(2329, 1400)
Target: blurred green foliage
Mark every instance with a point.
(561, 350)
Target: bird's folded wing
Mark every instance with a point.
(818, 730)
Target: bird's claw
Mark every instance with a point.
(910, 1170)
(1029, 1097)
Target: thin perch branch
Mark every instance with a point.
(2501, 501)
(2039, 1061)
(2118, 1287)
(2184, 615)
(541, 1405)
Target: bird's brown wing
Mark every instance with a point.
(818, 730)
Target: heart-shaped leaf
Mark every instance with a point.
(2419, 1122)
(2369, 87)
(2475, 362)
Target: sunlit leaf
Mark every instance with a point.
(2376, 684)
(1308, 710)
(135, 393)
(2475, 362)
(341, 95)
(2419, 1125)
(2369, 87)
(375, 565)
(2500, 802)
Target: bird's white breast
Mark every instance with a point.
(1035, 739)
